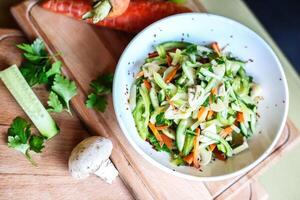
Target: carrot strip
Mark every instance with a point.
(200, 113)
(147, 84)
(212, 147)
(171, 75)
(169, 60)
(140, 74)
(189, 158)
(153, 54)
(240, 117)
(159, 128)
(214, 91)
(167, 141)
(226, 131)
(209, 114)
(210, 100)
(216, 48)
(156, 134)
(137, 16)
(219, 155)
(170, 102)
(195, 150)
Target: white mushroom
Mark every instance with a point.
(91, 156)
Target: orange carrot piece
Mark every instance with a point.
(240, 117)
(195, 150)
(219, 155)
(171, 75)
(170, 102)
(210, 100)
(156, 134)
(169, 60)
(209, 114)
(140, 74)
(200, 113)
(214, 91)
(226, 131)
(153, 54)
(159, 128)
(189, 158)
(147, 84)
(167, 141)
(216, 48)
(212, 147)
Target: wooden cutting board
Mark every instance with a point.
(88, 51)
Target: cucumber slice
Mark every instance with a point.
(21, 91)
(180, 134)
(188, 144)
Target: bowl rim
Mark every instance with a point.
(241, 171)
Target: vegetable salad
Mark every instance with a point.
(194, 102)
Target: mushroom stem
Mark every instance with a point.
(107, 171)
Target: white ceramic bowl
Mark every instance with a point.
(243, 43)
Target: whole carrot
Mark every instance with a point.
(139, 14)
(79, 8)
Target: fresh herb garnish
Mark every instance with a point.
(21, 139)
(65, 89)
(39, 68)
(100, 88)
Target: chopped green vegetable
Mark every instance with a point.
(97, 102)
(100, 87)
(26, 98)
(37, 69)
(21, 139)
(54, 103)
(190, 89)
(65, 88)
(162, 121)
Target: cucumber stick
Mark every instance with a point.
(180, 134)
(21, 91)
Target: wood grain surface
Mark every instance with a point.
(87, 52)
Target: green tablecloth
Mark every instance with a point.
(280, 181)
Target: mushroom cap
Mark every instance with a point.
(89, 155)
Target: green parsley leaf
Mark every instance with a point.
(100, 87)
(15, 143)
(65, 88)
(37, 62)
(26, 47)
(38, 47)
(34, 73)
(36, 143)
(97, 102)
(55, 69)
(36, 52)
(21, 129)
(21, 139)
(37, 69)
(54, 103)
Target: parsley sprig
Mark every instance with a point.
(38, 68)
(100, 88)
(21, 139)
